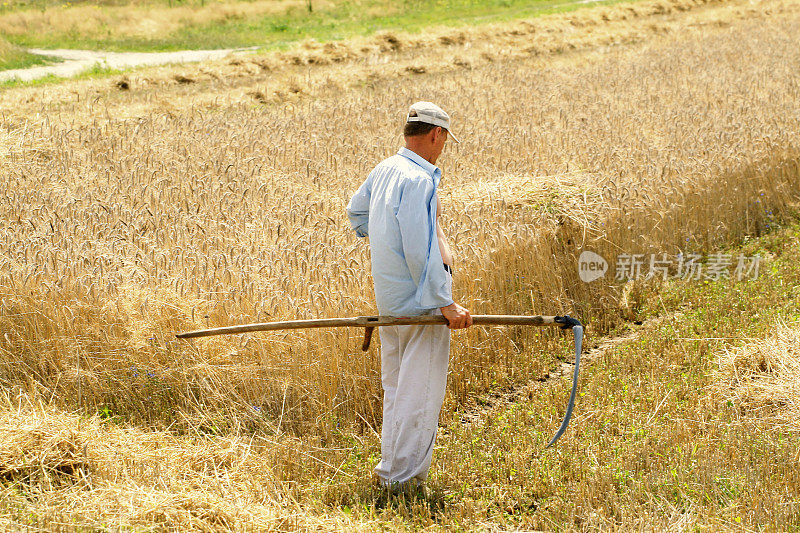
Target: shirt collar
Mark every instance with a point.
(434, 171)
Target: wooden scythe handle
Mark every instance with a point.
(367, 337)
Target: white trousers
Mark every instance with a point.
(414, 363)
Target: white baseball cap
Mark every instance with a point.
(430, 113)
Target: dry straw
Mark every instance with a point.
(763, 376)
(68, 465)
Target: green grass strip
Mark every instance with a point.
(338, 21)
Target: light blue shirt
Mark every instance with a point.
(396, 208)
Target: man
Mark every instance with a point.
(398, 208)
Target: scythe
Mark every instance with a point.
(371, 322)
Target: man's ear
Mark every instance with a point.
(431, 135)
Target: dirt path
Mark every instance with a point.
(77, 61)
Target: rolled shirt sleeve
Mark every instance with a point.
(358, 209)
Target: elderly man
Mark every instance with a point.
(398, 208)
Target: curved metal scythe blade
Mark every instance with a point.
(577, 331)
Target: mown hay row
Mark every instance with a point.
(762, 377)
(282, 77)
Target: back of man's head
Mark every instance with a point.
(423, 117)
(413, 129)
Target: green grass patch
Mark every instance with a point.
(96, 71)
(13, 57)
(335, 21)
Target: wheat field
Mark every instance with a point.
(128, 217)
